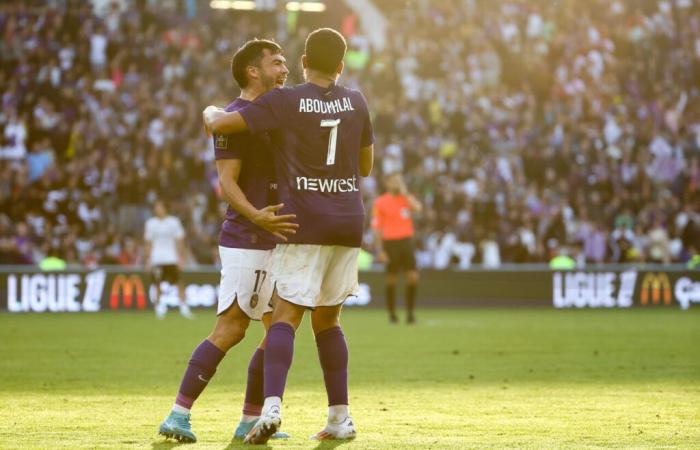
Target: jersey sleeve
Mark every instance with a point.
(265, 113)
(367, 128)
(228, 146)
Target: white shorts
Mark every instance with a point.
(315, 275)
(245, 279)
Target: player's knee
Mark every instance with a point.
(321, 323)
(323, 318)
(288, 313)
(391, 279)
(412, 276)
(228, 334)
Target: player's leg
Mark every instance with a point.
(156, 278)
(242, 276)
(279, 353)
(173, 276)
(339, 283)
(184, 307)
(411, 287)
(391, 278)
(297, 270)
(333, 356)
(390, 281)
(254, 394)
(409, 262)
(229, 330)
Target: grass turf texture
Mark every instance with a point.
(458, 379)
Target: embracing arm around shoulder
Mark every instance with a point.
(218, 121)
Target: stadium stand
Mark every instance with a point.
(525, 127)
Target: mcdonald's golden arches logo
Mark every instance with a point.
(126, 287)
(655, 286)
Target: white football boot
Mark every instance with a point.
(267, 425)
(340, 430)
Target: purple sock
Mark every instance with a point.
(333, 355)
(254, 391)
(200, 369)
(279, 352)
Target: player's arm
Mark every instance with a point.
(180, 253)
(218, 121)
(147, 255)
(366, 160)
(413, 203)
(147, 245)
(263, 114)
(379, 247)
(229, 170)
(377, 228)
(180, 244)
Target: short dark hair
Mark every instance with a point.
(250, 54)
(325, 49)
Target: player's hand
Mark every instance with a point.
(382, 257)
(279, 226)
(210, 114)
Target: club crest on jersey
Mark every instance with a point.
(221, 142)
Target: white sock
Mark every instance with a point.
(270, 402)
(246, 418)
(180, 409)
(338, 413)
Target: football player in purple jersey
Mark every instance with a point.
(322, 143)
(248, 235)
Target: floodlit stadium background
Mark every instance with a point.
(529, 129)
(526, 127)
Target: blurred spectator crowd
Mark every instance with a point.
(527, 128)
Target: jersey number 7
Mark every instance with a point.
(332, 138)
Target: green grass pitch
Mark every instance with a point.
(469, 378)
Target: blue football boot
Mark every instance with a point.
(177, 426)
(244, 428)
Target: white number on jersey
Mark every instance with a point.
(333, 136)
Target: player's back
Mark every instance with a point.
(318, 133)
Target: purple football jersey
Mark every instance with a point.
(256, 180)
(317, 134)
